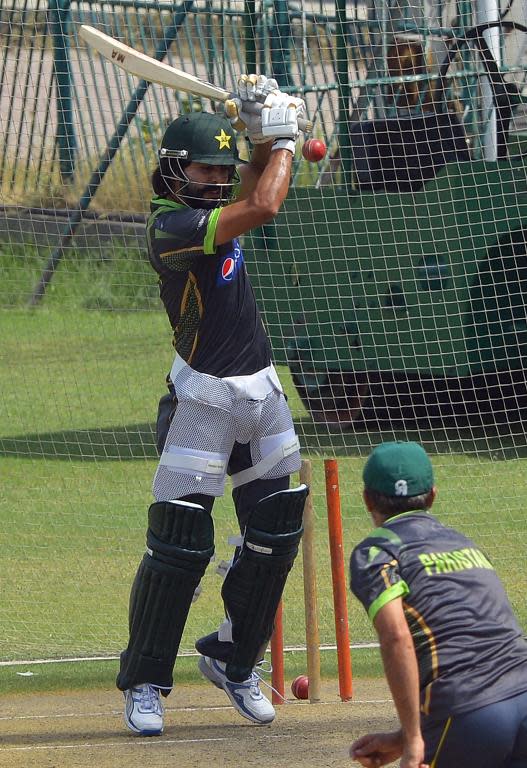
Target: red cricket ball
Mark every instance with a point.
(314, 150)
(300, 687)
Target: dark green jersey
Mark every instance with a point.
(206, 292)
(469, 647)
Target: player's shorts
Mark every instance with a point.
(215, 416)
(494, 736)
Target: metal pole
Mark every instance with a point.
(66, 141)
(488, 10)
(342, 70)
(280, 43)
(250, 33)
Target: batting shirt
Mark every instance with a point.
(206, 292)
(470, 649)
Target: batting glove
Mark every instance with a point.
(253, 90)
(280, 115)
(256, 87)
(242, 120)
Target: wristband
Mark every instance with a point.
(288, 144)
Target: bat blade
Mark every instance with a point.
(147, 68)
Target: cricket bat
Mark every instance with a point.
(153, 71)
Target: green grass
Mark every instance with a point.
(118, 277)
(90, 675)
(80, 379)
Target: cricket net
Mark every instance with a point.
(392, 285)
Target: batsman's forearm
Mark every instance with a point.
(260, 155)
(273, 185)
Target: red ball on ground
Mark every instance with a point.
(300, 687)
(314, 150)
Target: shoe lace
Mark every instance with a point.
(149, 699)
(264, 667)
(254, 684)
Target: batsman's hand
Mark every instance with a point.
(246, 121)
(255, 87)
(244, 110)
(280, 115)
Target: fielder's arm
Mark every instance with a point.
(402, 674)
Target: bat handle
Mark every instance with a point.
(253, 107)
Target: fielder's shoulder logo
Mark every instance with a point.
(401, 488)
(230, 264)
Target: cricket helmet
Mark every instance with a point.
(199, 137)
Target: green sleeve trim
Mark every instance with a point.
(208, 245)
(384, 533)
(164, 203)
(400, 589)
(373, 552)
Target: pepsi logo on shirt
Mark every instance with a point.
(230, 264)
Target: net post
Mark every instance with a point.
(338, 578)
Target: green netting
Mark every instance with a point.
(392, 284)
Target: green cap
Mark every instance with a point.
(399, 469)
(201, 137)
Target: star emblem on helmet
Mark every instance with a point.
(224, 140)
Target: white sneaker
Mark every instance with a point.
(246, 696)
(143, 710)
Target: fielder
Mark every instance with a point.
(453, 653)
(225, 413)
